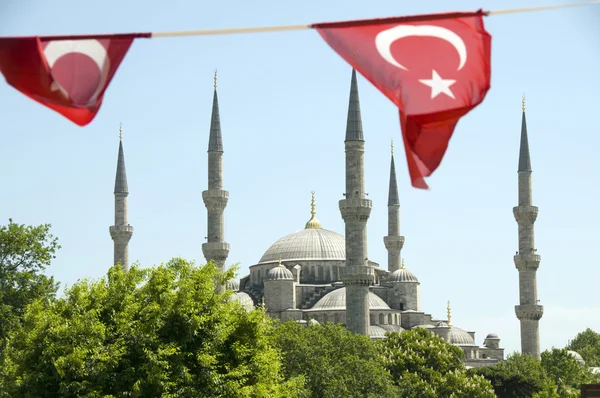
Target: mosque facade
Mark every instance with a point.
(316, 275)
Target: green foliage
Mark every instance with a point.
(587, 344)
(25, 251)
(565, 372)
(160, 332)
(333, 361)
(423, 365)
(519, 376)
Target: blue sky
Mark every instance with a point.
(283, 100)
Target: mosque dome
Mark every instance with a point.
(376, 332)
(336, 300)
(577, 357)
(441, 324)
(402, 275)
(492, 336)
(233, 285)
(311, 243)
(458, 336)
(392, 328)
(280, 273)
(244, 299)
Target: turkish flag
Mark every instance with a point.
(435, 68)
(68, 74)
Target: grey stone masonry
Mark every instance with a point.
(357, 275)
(393, 241)
(215, 198)
(121, 232)
(529, 312)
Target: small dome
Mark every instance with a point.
(280, 273)
(441, 324)
(402, 275)
(423, 326)
(375, 332)
(232, 285)
(392, 328)
(336, 300)
(577, 357)
(458, 336)
(244, 299)
(492, 336)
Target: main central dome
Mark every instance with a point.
(312, 243)
(307, 244)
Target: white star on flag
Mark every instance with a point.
(438, 85)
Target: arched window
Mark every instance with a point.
(336, 318)
(401, 306)
(381, 316)
(325, 318)
(390, 319)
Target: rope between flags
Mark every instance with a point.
(281, 28)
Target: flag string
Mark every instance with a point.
(281, 28)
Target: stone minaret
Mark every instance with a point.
(121, 232)
(526, 260)
(357, 276)
(215, 198)
(393, 242)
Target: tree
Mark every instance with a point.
(25, 252)
(519, 376)
(159, 332)
(333, 361)
(587, 344)
(565, 372)
(423, 365)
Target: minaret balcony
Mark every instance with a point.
(393, 242)
(358, 275)
(530, 312)
(355, 209)
(525, 214)
(524, 261)
(215, 199)
(121, 232)
(217, 251)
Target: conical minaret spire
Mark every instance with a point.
(215, 198)
(393, 241)
(121, 232)
(527, 261)
(313, 223)
(357, 275)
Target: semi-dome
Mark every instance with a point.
(308, 244)
(311, 243)
(577, 357)
(280, 273)
(402, 275)
(377, 333)
(244, 299)
(336, 300)
(458, 336)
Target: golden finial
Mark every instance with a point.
(523, 102)
(120, 131)
(313, 223)
(215, 79)
(448, 312)
(402, 266)
(392, 147)
(280, 264)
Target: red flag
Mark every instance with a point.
(435, 68)
(68, 74)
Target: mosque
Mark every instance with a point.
(316, 275)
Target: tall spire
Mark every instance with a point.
(524, 158)
(393, 241)
(121, 232)
(215, 198)
(527, 261)
(357, 275)
(313, 223)
(215, 142)
(448, 313)
(393, 198)
(121, 178)
(354, 130)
